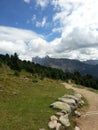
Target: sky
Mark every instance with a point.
(57, 28)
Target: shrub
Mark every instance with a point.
(16, 73)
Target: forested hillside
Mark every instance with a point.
(69, 65)
(16, 64)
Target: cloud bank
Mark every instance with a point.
(78, 25)
(25, 43)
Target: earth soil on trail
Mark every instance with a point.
(89, 118)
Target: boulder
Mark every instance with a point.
(53, 117)
(52, 124)
(81, 102)
(77, 100)
(77, 113)
(78, 96)
(67, 100)
(70, 102)
(65, 120)
(77, 128)
(62, 106)
(59, 113)
(73, 107)
(58, 126)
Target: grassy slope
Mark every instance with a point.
(24, 103)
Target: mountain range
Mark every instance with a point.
(69, 65)
(91, 62)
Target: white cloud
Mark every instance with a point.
(34, 17)
(77, 13)
(79, 22)
(26, 43)
(11, 47)
(14, 34)
(59, 29)
(27, 1)
(43, 23)
(42, 3)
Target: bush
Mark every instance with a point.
(17, 73)
(0, 64)
(34, 80)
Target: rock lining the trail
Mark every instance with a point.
(77, 113)
(77, 128)
(61, 106)
(66, 105)
(53, 117)
(52, 124)
(64, 120)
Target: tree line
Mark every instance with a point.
(16, 64)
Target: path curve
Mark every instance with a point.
(90, 120)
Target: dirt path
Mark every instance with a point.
(89, 119)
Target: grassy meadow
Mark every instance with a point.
(25, 100)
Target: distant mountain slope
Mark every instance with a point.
(67, 65)
(91, 62)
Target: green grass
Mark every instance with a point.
(25, 100)
(93, 90)
(88, 88)
(78, 86)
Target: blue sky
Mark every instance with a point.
(58, 28)
(28, 15)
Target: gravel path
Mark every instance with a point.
(89, 119)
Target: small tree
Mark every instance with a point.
(15, 62)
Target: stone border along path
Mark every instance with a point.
(89, 118)
(66, 105)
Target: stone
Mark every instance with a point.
(72, 97)
(59, 113)
(58, 126)
(14, 93)
(78, 96)
(77, 113)
(53, 117)
(70, 102)
(73, 107)
(77, 128)
(52, 124)
(65, 120)
(62, 106)
(1, 90)
(81, 102)
(26, 78)
(67, 100)
(41, 129)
